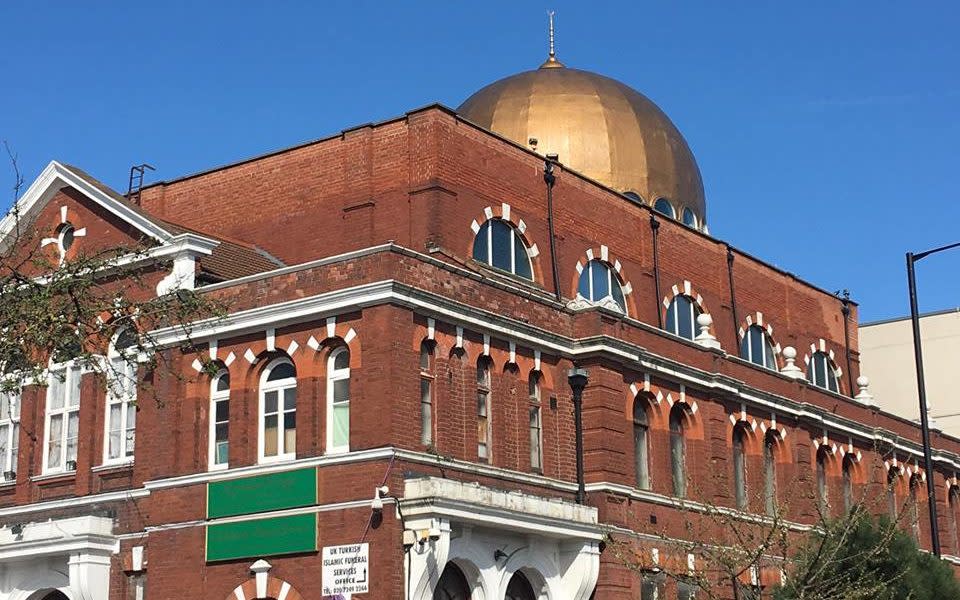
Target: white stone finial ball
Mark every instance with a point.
(789, 353)
(704, 320)
(863, 381)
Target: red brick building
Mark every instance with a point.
(406, 301)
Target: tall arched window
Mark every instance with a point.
(823, 454)
(689, 218)
(536, 425)
(338, 400)
(757, 348)
(678, 450)
(682, 316)
(641, 443)
(498, 244)
(220, 420)
(915, 507)
(893, 474)
(848, 498)
(121, 418)
(519, 588)
(9, 434)
(426, 392)
(740, 466)
(483, 409)
(452, 585)
(821, 372)
(598, 282)
(770, 473)
(953, 501)
(663, 206)
(278, 411)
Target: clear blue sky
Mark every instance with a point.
(828, 133)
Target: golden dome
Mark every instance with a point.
(598, 127)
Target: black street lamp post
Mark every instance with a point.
(922, 392)
(577, 378)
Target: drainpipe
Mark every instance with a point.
(845, 299)
(550, 178)
(655, 229)
(733, 295)
(577, 378)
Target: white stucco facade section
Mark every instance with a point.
(886, 357)
(68, 555)
(492, 534)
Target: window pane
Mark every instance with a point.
(113, 442)
(502, 244)
(4, 407)
(480, 247)
(14, 447)
(600, 273)
(583, 284)
(663, 206)
(54, 437)
(4, 439)
(223, 411)
(56, 390)
(672, 317)
(342, 360)
(521, 258)
(270, 402)
(424, 357)
(221, 432)
(535, 437)
(481, 404)
(223, 383)
(222, 453)
(618, 295)
(689, 218)
(684, 317)
(641, 468)
(73, 386)
(290, 399)
(341, 390)
(283, 370)
(290, 433)
(426, 412)
(341, 425)
(756, 345)
(270, 435)
(73, 425)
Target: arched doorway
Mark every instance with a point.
(452, 585)
(50, 595)
(519, 588)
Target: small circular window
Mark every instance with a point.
(65, 237)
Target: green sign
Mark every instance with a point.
(262, 537)
(261, 493)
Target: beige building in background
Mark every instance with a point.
(886, 357)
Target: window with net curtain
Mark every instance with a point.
(121, 397)
(598, 281)
(278, 411)
(499, 245)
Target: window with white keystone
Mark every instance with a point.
(121, 421)
(426, 392)
(598, 282)
(220, 420)
(483, 409)
(536, 425)
(822, 373)
(757, 348)
(278, 411)
(338, 400)
(499, 245)
(682, 316)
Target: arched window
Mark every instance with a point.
(220, 420)
(278, 411)
(823, 454)
(740, 466)
(689, 218)
(848, 499)
(426, 392)
(483, 409)
(499, 245)
(452, 585)
(893, 474)
(641, 443)
(633, 196)
(953, 501)
(598, 282)
(757, 348)
(519, 588)
(678, 450)
(663, 206)
(821, 372)
(682, 316)
(915, 507)
(9, 433)
(338, 400)
(62, 417)
(770, 473)
(121, 398)
(536, 425)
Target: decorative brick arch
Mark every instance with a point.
(662, 402)
(821, 346)
(505, 213)
(263, 586)
(758, 320)
(602, 253)
(684, 289)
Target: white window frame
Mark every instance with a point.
(334, 375)
(695, 311)
(612, 280)
(11, 426)
(279, 385)
(484, 392)
(829, 372)
(535, 420)
(765, 342)
(121, 363)
(694, 224)
(427, 381)
(673, 210)
(71, 394)
(217, 396)
(514, 237)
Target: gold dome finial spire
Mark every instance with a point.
(552, 61)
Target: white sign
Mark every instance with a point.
(346, 569)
